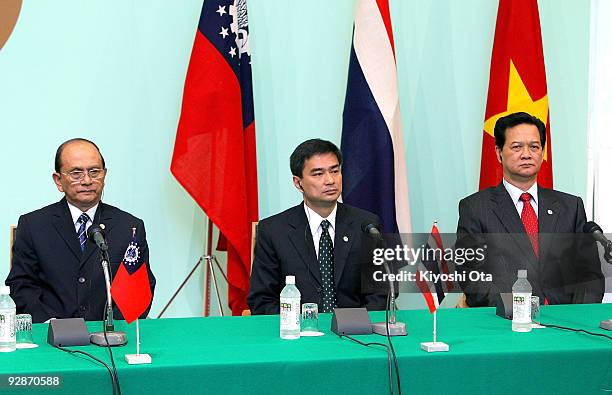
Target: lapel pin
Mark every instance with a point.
(345, 238)
(550, 212)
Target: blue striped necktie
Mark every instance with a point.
(82, 234)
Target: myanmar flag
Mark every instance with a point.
(517, 83)
(131, 290)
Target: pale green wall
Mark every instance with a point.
(113, 71)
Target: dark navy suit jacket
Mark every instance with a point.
(568, 269)
(51, 277)
(284, 246)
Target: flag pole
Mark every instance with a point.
(209, 260)
(435, 325)
(435, 345)
(210, 273)
(138, 358)
(209, 240)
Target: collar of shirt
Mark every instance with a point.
(314, 221)
(75, 213)
(515, 195)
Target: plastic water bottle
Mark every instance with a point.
(7, 320)
(521, 303)
(290, 299)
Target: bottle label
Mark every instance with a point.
(7, 327)
(521, 308)
(290, 314)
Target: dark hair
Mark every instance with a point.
(308, 149)
(514, 119)
(60, 149)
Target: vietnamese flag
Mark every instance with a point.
(517, 83)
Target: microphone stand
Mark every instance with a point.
(390, 327)
(608, 253)
(108, 337)
(607, 324)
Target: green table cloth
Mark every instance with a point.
(221, 355)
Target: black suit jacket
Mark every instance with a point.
(568, 269)
(50, 277)
(284, 246)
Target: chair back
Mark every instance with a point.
(247, 312)
(253, 240)
(11, 242)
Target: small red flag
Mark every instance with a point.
(131, 290)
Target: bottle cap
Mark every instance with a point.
(5, 290)
(522, 274)
(290, 280)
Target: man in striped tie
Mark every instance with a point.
(55, 271)
(521, 225)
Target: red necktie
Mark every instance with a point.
(530, 222)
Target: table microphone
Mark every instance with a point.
(95, 233)
(395, 328)
(594, 229)
(109, 336)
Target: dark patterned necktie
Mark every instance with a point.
(82, 228)
(326, 265)
(530, 222)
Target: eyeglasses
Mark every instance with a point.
(78, 175)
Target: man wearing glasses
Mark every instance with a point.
(56, 271)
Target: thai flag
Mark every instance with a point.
(374, 167)
(433, 262)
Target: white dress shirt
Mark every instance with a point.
(314, 221)
(515, 195)
(76, 213)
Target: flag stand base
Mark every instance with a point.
(137, 359)
(434, 347)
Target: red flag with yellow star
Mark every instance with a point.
(517, 83)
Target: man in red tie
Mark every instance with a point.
(521, 225)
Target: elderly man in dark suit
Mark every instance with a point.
(56, 271)
(318, 241)
(524, 226)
